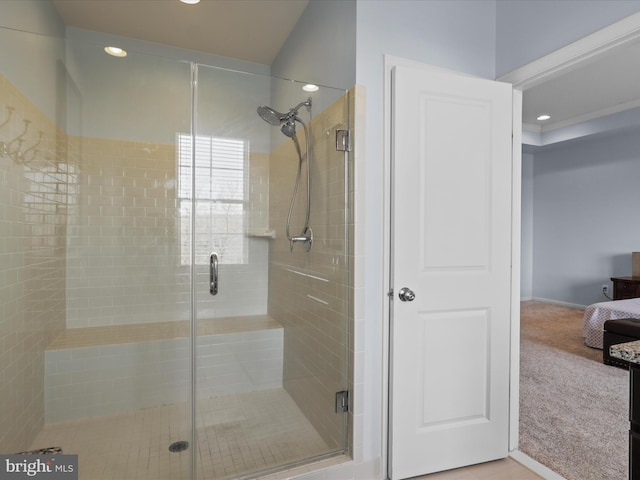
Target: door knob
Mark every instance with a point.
(406, 294)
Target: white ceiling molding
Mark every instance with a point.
(590, 116)
(532, 128)
(536, 136)
(574, 55)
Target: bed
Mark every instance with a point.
(595, 315)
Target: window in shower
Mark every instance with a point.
(220, 189)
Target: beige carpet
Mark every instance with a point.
(573, 409)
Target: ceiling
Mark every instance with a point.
(251, 30)
(609, 84)
(255, 30)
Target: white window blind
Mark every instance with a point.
(220, 178)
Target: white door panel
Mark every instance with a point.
(451, 245)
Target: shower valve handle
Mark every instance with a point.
(213, 273)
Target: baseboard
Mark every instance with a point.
(558, 302)
(535, 466)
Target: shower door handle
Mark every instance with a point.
(213, 273)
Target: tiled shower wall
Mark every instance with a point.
(123, 263)
(33, 205)
(309, 291)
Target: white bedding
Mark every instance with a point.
(595, 315)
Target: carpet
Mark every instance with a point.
(573, 408)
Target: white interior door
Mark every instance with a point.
(451, 245)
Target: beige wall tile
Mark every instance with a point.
(308, 291)
(33, 205)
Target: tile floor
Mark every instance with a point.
(235, 435)
(506, 469)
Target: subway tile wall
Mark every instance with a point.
(124, 258)
(123, 245)
(33, 201)
(309, 291)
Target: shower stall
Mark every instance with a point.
(177, 295)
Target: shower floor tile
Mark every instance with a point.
(236, 435)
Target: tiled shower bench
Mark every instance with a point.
(103, 370)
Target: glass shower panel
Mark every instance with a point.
(33, 199)
(111, 208)
(118, 377)
(272, 342)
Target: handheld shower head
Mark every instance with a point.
(289, 128)
(288, 122)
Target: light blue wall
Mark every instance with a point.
(141, 97)
(144, 97)
(526, 31)
(530, 29)
(32, 53)
(586, 199)
(36, 16)
(321, 49)
(458, 35)
(147, 95)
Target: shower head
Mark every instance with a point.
(289, 128)
(270, 116)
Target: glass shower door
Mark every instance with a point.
(272, 337)
(117, 374)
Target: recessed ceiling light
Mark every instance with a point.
(544, 117)
(310, 87)
(115, 51)
(190, 2)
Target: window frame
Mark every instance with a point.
(221, 183)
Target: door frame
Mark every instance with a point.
(389, 63)
(556, 63)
